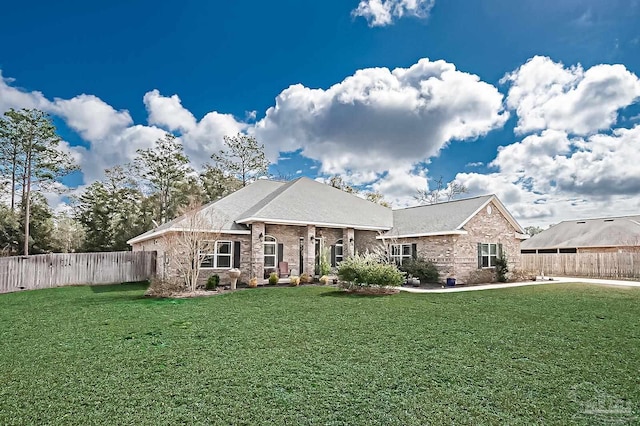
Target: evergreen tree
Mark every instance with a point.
(243, 158)
(164, 168)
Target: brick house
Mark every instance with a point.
(268, 222)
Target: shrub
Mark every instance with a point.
(212, 282)
(294, 281)
(273, 278)
(502, 268)
(253, 282)
(325, 265)
(522, 275)
(164, 287)
(421, 269)
(365, 270)
(306, 278)
(324, 280)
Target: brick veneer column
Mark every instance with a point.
(348, 242)
(257, 253)
(310, 250)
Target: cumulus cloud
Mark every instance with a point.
(168, 112)
(553, 175)
(13, 97)
(379, 13)
(90, 116)
(548, 95)
(400, 186)
(378, 119)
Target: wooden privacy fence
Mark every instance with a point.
(53, 270)
(592, 265)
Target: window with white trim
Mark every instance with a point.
(339, 252)
(270, 249)
(216, 254)
(488, 255)
(400, 253)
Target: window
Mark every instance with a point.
(215, 254)
(488, 253)
(339, 252)
(270, 246)
(401, 252)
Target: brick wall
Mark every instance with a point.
(364, 240)
(485, 228)
(289, 237)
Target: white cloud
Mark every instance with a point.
(400, 186)
(13, 97)
(548, 95)
(380, 13)
(91, 117)
(168, 112)
(553, 176)
(378, 119)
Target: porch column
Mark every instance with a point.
(348, 242)
(257, 251)
(310, 251)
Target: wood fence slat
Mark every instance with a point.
(60, 269)
(590, 265)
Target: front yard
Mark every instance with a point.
(547, 354)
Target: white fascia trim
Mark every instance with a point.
(522, 236)
(424, 234)
(164, 231)
(321, 224)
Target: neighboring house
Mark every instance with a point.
(268, 222)
(602, 235)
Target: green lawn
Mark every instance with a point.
(553, 354)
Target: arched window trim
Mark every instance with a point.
(270, 251)
(339, 251)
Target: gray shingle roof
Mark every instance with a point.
(435, 218)
(306, 201)
(220, 213)
(601, 232)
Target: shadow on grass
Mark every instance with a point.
(346, 294)
(128, 286)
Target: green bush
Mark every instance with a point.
(366, 271)
(502, 268)
(212, 282)
(421, 269)
(325, 265)
(273, 278)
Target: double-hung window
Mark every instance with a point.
(216, 254)
(401, 253)
(487, 255)
(339, 252)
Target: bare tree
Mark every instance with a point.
(441, 191)
(182, 246)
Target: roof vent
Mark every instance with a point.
(581, 222)
(608, 220)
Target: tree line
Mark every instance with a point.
(131, 199)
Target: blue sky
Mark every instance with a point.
(389, 93)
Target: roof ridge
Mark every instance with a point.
(445, 202)
(599, 218)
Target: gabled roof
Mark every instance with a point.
(445, 218)
(299, 202)
(306, 201)
(219, 214)
(600, 232)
